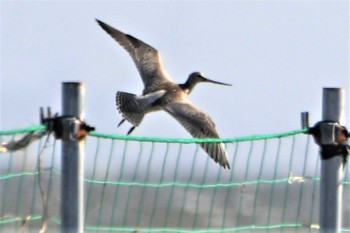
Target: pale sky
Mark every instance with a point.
(277, 54)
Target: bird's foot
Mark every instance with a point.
(121, 122)
(131, 129)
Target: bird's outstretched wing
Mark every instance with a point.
(199, 125)
(146, 58)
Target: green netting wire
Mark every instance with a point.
(35, 128)
(151, 184)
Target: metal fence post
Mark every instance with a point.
(332, 169)
(72, 193)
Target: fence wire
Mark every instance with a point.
(142, 184)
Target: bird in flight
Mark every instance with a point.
(162, 93)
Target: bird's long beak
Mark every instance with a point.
(216, 82)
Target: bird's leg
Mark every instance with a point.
(131, 129)
(121, 122)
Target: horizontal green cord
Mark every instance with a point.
(196, 140)
(56, 220)
(132, 229)
(6, 220)
(168, 184)
(35, 128)
(29, 129)
(189, 185)
(181, 230)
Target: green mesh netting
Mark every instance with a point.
(147, 184)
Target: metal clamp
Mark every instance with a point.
(330, 136)
(67, 128)
(328, 133)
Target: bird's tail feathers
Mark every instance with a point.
(130, 107)
(133, 107)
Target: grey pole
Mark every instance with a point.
(332, 168)
(72, 193)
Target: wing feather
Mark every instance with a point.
(199, 125)
(146, 58)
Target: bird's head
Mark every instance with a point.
(197, 77)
